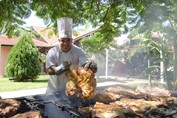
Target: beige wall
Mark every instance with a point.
(4, 51)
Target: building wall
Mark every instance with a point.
(0, 60)
(4, 51)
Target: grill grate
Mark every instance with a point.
(56, 106)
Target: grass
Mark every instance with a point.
(9, 85)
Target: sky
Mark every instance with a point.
(34, 21)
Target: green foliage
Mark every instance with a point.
(97, 42)
(23, 60)
(112, 16)
(160, 16)
(12, 14)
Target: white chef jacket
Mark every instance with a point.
(55, 56)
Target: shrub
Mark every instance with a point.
(23, 60)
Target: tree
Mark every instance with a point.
(160, 16)
(110, 15)
(13, 13)
(23, 60)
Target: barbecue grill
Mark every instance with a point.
(53, 106)
(61, 106)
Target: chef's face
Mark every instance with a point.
(65, 44)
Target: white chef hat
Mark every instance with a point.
(65, 27)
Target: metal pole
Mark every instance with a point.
(106, 70)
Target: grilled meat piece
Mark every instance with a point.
(107, 97)
(155, 91)
(30, 114)
(139, 106)
(9, 107)
(165, 99)
(101, 110)
(71, 88)
(80, 82)
(128, 93)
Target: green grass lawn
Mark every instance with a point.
(9, 85)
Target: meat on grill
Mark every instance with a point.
(127, 93)
(107, 97)
(9, 107)
(140, 106)
(80, 82)
(30, 114)
(122, 102)
(101, 110)
(155, 91)
(132, 94)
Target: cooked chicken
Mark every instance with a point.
(30, 114)
(9, 107)
(119, 102)
(118, 89)
(81, 82)
(155, 91)
(112, 110)
(165, 99)
(139, 106)
(106, 97)
(128, 93)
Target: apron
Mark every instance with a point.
(57, 83)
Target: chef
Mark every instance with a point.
(63, 57)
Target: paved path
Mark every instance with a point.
(21, 93)
(101, 84)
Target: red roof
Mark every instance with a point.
(155, 35)
(4, 40)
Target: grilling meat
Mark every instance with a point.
(80, 82)
(9, 107)
(30, 114)
(155, 91)
(165, 99)
(139, 106)
(101, 110)
(126, 92)
(107, 97)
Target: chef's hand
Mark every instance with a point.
(91, 65)
(62, 68)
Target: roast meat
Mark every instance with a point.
(125, 92)
(140, 106)
(9, 107)
(112, 110)
(29, 114)
(107, 97)
(81, 82)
